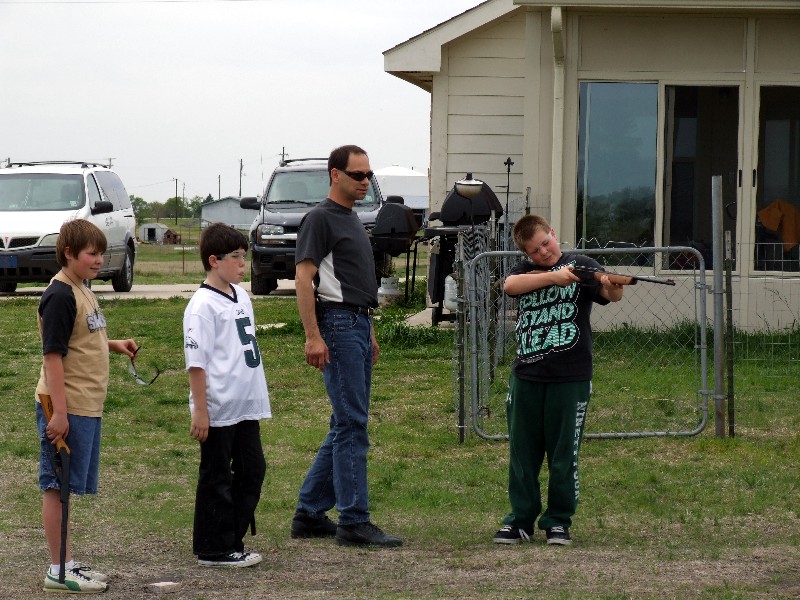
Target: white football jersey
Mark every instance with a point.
(219, 337)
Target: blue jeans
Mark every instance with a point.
(338, 475)
(83, 440)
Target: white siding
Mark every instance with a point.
(484, 124)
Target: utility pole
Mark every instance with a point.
(241, 167)
(176, 201)
(219, 187)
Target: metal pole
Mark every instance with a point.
(729, 331)
(718, 290)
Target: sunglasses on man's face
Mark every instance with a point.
(358, 175)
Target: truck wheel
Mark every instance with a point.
(261, 286)
(8, 287)
(123, 280)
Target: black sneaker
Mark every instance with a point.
(232, 559)
(306, 526)
(365, 534)
(558, 535)
(513, 535)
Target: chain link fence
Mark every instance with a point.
(653, 351)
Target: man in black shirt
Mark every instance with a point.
(336, 292)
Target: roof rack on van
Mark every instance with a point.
(84, 164)
(286, 161)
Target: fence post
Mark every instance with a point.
(716, 228)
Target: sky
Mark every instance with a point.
(186, 89)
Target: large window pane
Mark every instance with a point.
(778, 199)
(617, 163)
(701, 131)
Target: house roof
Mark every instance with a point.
(419, 58)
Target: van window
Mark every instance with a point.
(40, 192)
(113, 189)
(93, 192)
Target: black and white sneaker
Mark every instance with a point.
(232, 559)
(510, 534)
(558, 536)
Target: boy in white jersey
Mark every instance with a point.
(228, 396)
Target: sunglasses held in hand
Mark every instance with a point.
(135, 374)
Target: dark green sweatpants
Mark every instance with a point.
(544, 419)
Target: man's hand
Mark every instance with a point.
(317, 354)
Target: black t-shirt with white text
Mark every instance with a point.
(553, 332)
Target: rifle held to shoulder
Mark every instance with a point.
(617, 278)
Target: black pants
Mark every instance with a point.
(232, 469)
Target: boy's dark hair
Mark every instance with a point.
(341, 156)
(526, 227)
(218, 239)
(78, 235)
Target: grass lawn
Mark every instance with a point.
(659, 518)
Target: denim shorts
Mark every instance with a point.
(83, 440)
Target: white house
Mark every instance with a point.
(227, 210)
(616, 115)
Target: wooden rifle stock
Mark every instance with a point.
(63, 477)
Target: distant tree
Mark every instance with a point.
(141, 208)
(158, 210)
(195, 207)
(208, 199)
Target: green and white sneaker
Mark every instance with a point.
(75, 582)
(91, 573)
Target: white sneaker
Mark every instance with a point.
(91, 573)
(232, 559)
(75, 582)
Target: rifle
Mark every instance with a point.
(617, 278)
(62, 473)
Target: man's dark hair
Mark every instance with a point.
(220, 238)
(341, 156)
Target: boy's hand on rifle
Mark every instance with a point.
(612, 291)
(58, 427)
(564, 276)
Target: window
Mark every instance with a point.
(777, 225)
(701, 126)
(617, 164)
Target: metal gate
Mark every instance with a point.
(650, 349)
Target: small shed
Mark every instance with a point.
(227, 210)
(154, 233)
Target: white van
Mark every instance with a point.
(36, 198)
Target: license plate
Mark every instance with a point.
(8, 262)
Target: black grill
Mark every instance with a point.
(395, 229)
